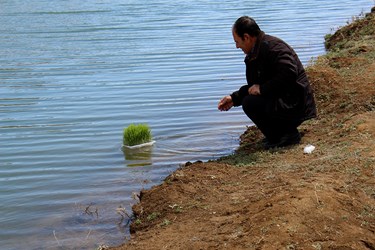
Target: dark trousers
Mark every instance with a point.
(262, 114)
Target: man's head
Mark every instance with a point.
(245, 31)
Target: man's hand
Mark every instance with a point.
(254, 90)
(226, 103)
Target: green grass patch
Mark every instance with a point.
(239, 159)
(136, 134)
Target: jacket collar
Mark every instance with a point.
(255, 50)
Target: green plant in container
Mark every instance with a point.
(137, 134)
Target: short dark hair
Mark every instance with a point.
(247, 25)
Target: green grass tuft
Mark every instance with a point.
(136, 134)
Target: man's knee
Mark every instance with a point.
(254, 105)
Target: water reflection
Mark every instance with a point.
(138, 157)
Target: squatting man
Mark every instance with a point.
(277, 97)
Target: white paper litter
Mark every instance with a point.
(309, 149)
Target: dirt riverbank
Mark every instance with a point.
(284, 198)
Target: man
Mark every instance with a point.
(278, 96)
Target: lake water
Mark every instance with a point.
(74, 74)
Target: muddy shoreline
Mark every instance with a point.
(284, 198)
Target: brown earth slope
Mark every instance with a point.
(283, 199)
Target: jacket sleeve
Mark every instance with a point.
(239, 95)
(284, 69)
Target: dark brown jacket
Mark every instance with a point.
(275, 66)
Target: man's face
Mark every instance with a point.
(246, 43)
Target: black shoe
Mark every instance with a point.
(265, 141)
(286, 140)
(268, 143)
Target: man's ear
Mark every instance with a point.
(246, 36)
